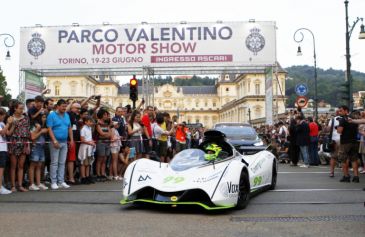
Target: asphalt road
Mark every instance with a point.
(306, 202)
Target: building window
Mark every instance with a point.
(257, 89)
(205, 119)
(197, 120)
(73, 88)
(215, 119)
(257, 112)
(227, 89)
(206, 104)
(57, 89)
(214, 104)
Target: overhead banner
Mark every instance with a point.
(33, 85)
(148, 45)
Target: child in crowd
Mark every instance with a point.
(114, 148)
(3, 150)
(37, 158)
(86, 151)
(125, 159)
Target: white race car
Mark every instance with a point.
(194, 177)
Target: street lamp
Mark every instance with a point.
(249, 115)
(299, 53)
(7, 44)
(349, 30)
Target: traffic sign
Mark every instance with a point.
(301, 101)
(301, 89)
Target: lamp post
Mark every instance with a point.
(7, 43)
(349, 30)
(249, 115)
(299, 53)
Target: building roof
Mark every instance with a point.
(193, 90)
(124, 90)
(187, 90)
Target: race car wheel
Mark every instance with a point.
(274, 176)
(244, 191)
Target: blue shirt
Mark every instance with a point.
(59, 125)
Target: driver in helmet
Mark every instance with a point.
(212, 151)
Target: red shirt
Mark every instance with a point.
(313, 129)
(147, 123)
(180, 134)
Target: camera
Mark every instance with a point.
(97, 97)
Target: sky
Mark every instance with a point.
(325, 18)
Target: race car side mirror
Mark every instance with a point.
(244, 162)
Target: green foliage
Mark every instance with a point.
(329, 83)
(4, 91)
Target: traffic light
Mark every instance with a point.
(133, 89)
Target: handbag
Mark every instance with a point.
(329, 144)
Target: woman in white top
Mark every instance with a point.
(115, 148)
(135, 131)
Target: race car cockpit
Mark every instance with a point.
(215, 142)
(213, 148)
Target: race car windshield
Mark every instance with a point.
(187, 159)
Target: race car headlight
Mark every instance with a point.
(260, 143)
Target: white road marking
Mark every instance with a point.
(304, 172)
(316, 190)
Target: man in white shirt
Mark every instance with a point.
(283, 130)
(336, 138)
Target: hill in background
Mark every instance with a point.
(329, 83)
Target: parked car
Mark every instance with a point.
(242, 136)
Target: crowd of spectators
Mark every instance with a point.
(300, 139)
(55, 144)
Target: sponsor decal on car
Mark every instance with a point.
(229, 190)
(143, 170)
(257, 181)
(173, 180)
(257, 166)
(207, 179)
(143, 178)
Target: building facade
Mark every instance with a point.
(233, 98)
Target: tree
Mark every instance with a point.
(4, 91)
(330, 83)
